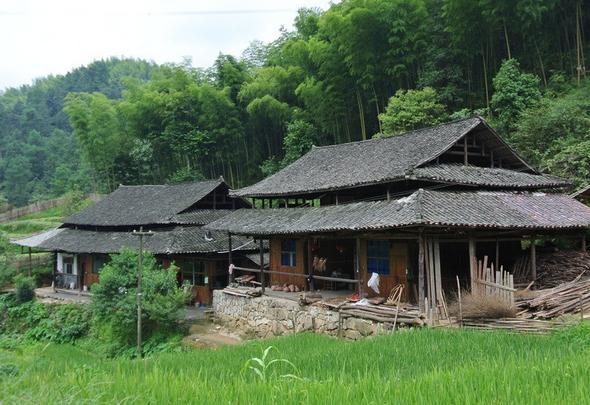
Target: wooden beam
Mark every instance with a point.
(465, 158)
(497, 259)
(421, 271)
(54, 271)
(310, 266)
(229, 258)
(437, 270)
(261, 248)
(357, 266)
(533, 260)
(472, 261)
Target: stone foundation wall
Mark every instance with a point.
(271, 316)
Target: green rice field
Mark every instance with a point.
(409, 367)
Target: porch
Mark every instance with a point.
(426, 269)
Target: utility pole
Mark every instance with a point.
(141, 234)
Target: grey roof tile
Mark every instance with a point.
(476, 209)
(143, 205)
(485, 176)
(180, 240)
(361, 163)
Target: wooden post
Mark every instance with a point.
(466, 159)
(357, 266)
(421, 271)
(30, 262)
(310, 283)
(79, 271)
(261, 247)
(497, 259)
(583, 243)
(53, 284)
(437, 271)
(336, 199)
(229, 258)
(533, 260)
(472, 262)
(141, 235)
(388, 194)
(215, 199)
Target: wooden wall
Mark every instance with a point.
(398, 263)
(275, 264)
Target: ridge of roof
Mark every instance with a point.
(143, 204)
(412, 132)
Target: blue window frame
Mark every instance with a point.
(378, 256)
(288, 253)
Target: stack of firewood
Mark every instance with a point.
(560, 267)
(567, 298)
(383, 313)
(246, 292)
(553, 268)
(514, 324)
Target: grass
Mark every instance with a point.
(37, 222)
(416, 366)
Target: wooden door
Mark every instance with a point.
(89, 276)
(399, 266)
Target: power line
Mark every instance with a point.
(154, 13)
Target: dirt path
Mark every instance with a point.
(206, 335)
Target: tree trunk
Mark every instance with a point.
(485, 77)
(361, 115)
(507, 41)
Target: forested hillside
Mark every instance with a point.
(39, 156)
(360, 69)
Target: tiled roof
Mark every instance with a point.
(187, 239)
(198, 217)
(143, 205)
(500, 210)
(373, 161)
(486, 176)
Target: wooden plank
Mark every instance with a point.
(421, 271)
(357, 265)
(533, 260)
(261, 248)
(437, 270)
(472, 262)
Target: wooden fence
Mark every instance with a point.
(489, 282)
(15, 213)
(37, 260)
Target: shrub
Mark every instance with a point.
(477, 306)
(60, 323)
(25, 288)
(114, 302)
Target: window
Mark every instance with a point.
(378, 256)
(68, 264)
(98, 263)
(289, 253)
(193, 272)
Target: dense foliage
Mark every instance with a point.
(330, 80)
(59, 323)
(114, 302)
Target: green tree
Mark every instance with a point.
(514, 92)
(114, 300)
(411, 109)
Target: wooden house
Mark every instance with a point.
(176, 215)
(418, 210)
